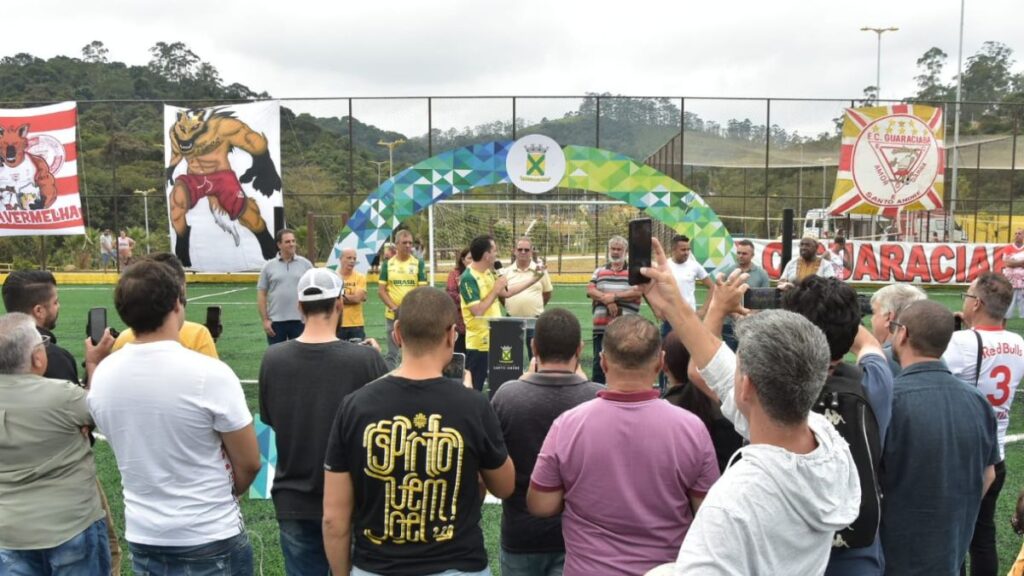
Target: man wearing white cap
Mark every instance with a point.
(301, 384)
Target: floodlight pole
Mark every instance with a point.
(956, 130)
(391, 153)
(878, 58)
(378, 164)
(145, 206)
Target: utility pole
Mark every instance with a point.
(378, 164)
(391, 153)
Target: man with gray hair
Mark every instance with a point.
(886, 305)
(770, 507)
(611, 297)
(52, 521)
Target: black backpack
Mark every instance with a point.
(844, 403)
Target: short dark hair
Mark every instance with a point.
(995, 293)
(680, 238)
(170, 260)
(424, 317)
(557, 335)
(145, 294)
(25, 289)
(840, 240)
(745, 242)
(280, 234)
(631, 342)
(479, 246)
(929, 327)
(677, 357)
(829, 304)
(319, 307)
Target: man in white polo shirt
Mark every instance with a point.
(687, 273)
(530, 302)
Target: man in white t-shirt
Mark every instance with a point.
(839, 256)
(1013, 260)
(1001, 370)
(181, 432)
(687, 273)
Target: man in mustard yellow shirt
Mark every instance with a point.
(192, 335)
(352, 324)
(399, 275)
(480, 288)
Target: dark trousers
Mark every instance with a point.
(476, 363)
(287, 330)
(598, 373)
(984, 558)
(460, 342)
(529, 344)
(351, 333)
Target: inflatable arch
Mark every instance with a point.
(456, 171)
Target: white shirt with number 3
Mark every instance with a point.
(1002, 368)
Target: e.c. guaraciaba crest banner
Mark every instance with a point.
(223, 184)
(39, 172)
(892, 159)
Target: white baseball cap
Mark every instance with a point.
(319, 284)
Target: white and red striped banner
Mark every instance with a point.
(885, 262)
(39, 171)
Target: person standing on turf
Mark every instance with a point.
(353, 323)
(181, 433)
(1013, 262)
(275, 291)
(301, 385)
(404, 459)
(1001, 368)
(399, 275)
(611, 297)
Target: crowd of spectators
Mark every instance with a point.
(785, 441)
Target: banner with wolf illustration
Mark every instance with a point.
(892, 160)
(223, 180)
(39, 171)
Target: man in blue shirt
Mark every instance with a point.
(940, 450)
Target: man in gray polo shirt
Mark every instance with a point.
(276, 292)
(526, 408)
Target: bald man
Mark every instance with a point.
(352, 324)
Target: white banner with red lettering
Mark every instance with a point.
(885, 262)
(39, 171)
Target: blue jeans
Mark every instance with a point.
(394, 356)
(230, 557)
(485, 572)
(536, 564)
(302, 545)
(287, 330)
(87, 554)
(351, 332)
(598, 373)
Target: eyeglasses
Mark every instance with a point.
(965, 295)
(894, 326)
(524, 249)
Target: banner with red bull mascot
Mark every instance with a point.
(39, 171)
(223, 183)
(891, 160)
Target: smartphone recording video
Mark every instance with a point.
(96, 324)
(762, 299)
(639, 249)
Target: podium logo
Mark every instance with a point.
(506, 355)
(535, 164)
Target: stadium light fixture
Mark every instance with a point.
(878, 58)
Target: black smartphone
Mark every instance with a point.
(639, 249)
(456, 368)
(213, 321)
(96, 324)
(958, 323)
(762, 298)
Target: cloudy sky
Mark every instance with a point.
(308, 48)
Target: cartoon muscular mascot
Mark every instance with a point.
(204, 138)
(26, 182)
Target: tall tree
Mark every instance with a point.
(175, 62)
(929, 81)
(95, 52)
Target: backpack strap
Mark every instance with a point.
(977, 364)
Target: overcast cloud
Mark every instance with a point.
(304, 48)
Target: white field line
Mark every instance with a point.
(1010, 438)
(193, 299)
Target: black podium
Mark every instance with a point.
(506, 358)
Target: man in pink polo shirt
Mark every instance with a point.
(629, 469)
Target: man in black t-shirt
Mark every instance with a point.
(526, 408)
(404, 457)
(301, 385)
